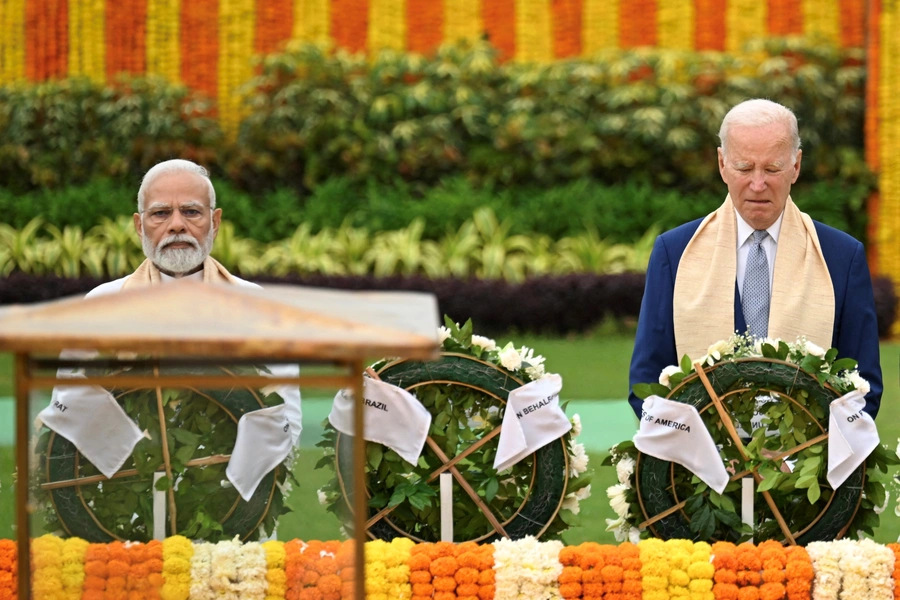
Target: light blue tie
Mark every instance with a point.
(755, 293)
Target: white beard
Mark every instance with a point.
(178, 260)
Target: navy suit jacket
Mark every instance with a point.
(855, 325)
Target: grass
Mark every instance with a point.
(593, 367)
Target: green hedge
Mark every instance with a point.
(313, 116)
(68, 132)
(650, 111)
(621, 212)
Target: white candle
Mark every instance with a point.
(159, 509)
(747, 501)
(446, 507)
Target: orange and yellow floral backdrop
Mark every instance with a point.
(207, 44)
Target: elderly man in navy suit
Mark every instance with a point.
(757, 264)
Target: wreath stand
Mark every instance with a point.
(205, 325)
(547, 485)
(711, 388)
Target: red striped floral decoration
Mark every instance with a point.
(425, 25)
(637, 23)
(126, 30)
(566, 26)
(350, 24)
(274, 23)
(710, 30)
(785, 18)
(500, 26)
(46, 39)
(199, 33)
(852, 23)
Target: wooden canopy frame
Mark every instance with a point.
(208, 324)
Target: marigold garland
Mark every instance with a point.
(177, 552)
(176, 569)
(8, 569)
(799, 573)
(275, 575)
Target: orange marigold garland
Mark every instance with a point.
(895, 548)
(118, 567)
(726, 564)
(799, 573)
(570, 580)
(774, 562)
(293, 569)
(8, 565)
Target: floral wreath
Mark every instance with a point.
(779, 414)
(201, 428)
(465, 391)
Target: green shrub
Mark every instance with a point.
(619, 213)
(71, 131)
(647, 112)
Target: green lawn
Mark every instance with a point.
(593, 368)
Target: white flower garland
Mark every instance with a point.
(851, 570)
(201, 571)
(252, 569)
(527, 569)
(224, 578)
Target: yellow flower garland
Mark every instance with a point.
(275, 576)
(177, 554)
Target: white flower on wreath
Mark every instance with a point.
(584, 493)
(618, 500)
(854, 379)
(443, 334)
(814, 349)
(623, 531)
(576, 426)
(484, 343)
(624, 470)
(570, 502)
(323, 498)
(715, 352)
(667, 373)
(578, 459)
(510, 358)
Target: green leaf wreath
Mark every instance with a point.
(461, 415)
(778, 416)
(199, 424)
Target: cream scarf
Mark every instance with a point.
(802, 295)
(147, 274)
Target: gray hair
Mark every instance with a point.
(176, 165)
(759, 113)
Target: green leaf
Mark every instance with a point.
(771, 479)
(491, 489)
(686, 365)
(183, 454)
(843, 364)
(374, 454)
(814, 493)
(163, 484)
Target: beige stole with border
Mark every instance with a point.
(147, 274)
(703, 304)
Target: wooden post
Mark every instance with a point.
(23, 523)
(360, 501)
